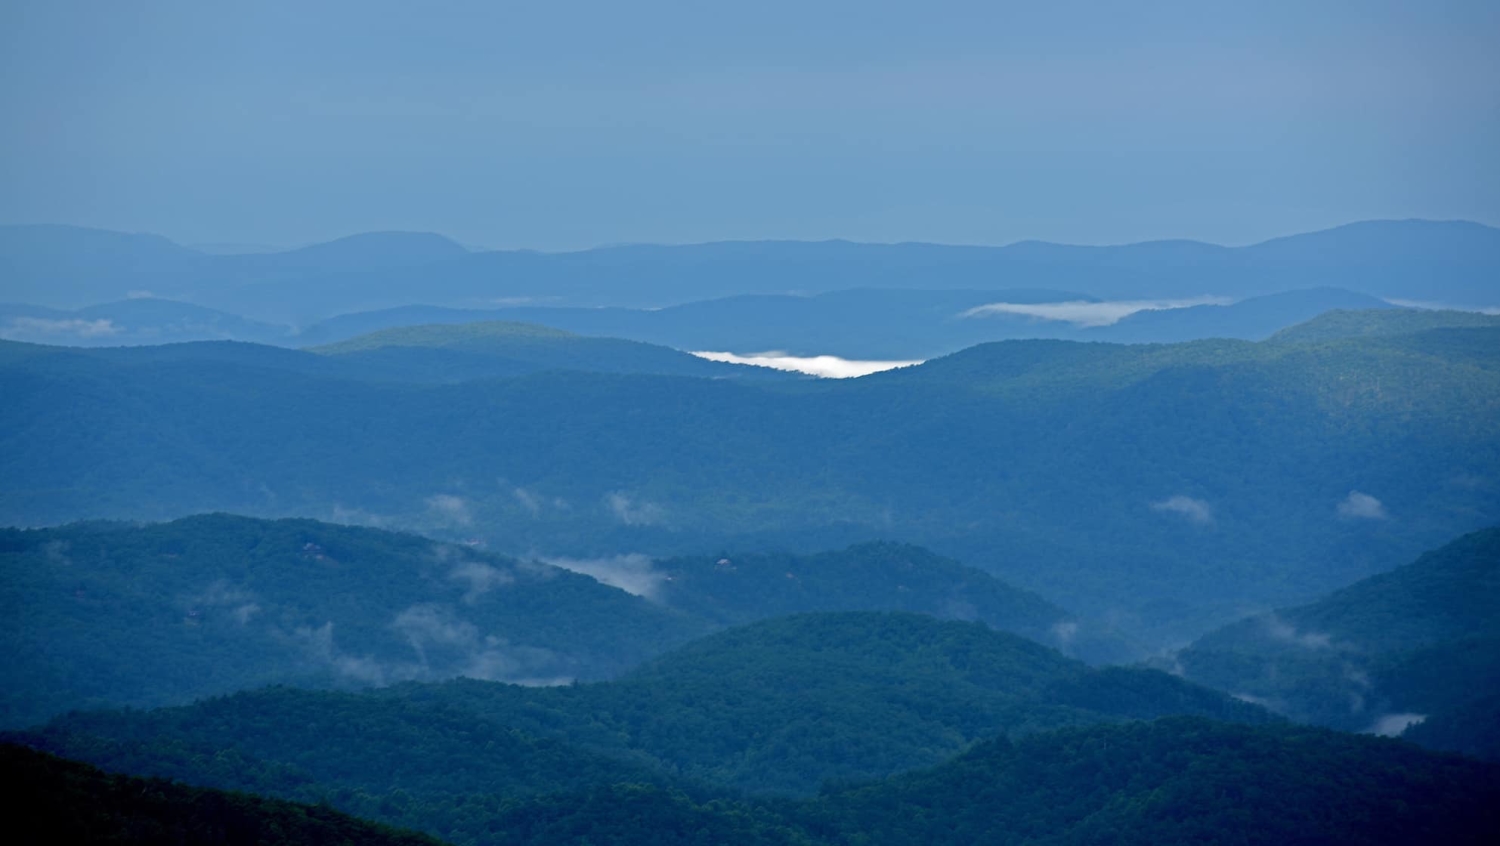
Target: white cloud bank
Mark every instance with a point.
(825, 366)
(1362, 506)
(1393, 725)
(1194, 510)
(1086, 314)
(21, 328)
(631, 573)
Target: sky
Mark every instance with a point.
(562, 125)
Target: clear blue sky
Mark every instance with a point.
(567, 124)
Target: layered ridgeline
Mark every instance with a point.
(1176, 781)
(68, 267)
(111, 614)
(457, 353)
(1416, 649)
(1171, 487)
(887, 324)
(61, 801)
(782, 705)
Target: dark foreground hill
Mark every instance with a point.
(62, 801)
(1421, 642)
(112, 614)
(1176, 780)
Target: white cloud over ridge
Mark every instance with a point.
(1193, 510)
(1393, 725)
(633, 512)
(632, 573)
(1085, 314)
(1362, 506)
(450, 509)
(824, 366)
(42, 327)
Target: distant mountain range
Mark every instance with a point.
(890, 324)
(1168, 488)
(70, 267)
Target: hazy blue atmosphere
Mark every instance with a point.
(759, 424)
(574, 124)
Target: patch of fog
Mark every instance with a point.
(1193, 510)
(479, 579)
(1087, 314)
(24, 328)
(1431, 305)
(1392, 725)
(449, 509)
(633, 573)
(633, 512)
(1063, 631)
(824, 366)
(1361, 506)
(1280, 630)
(444, 646)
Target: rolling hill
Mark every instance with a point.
(1420, 641)
(489, 349)
(1167, 487)
(875, 323)
(110, 614)
(778, 707)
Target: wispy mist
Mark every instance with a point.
(1084, 313)
(1193, 510)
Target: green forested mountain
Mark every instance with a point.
(875, 323)
(782, 705)
(50, 800)
(485, 763)
(114, 614)
(1175, 781)
(101, 614)
(1346, 323)
(1417, 642)
(873, 576)
(457, 353)
(1168, 487)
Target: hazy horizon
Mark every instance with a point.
(567, 127)
(231, 246)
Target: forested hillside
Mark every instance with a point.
(438, 353)
(1168, 487)
(1176, 780)
(1421, 642)
(111, 614)
(781, 705)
